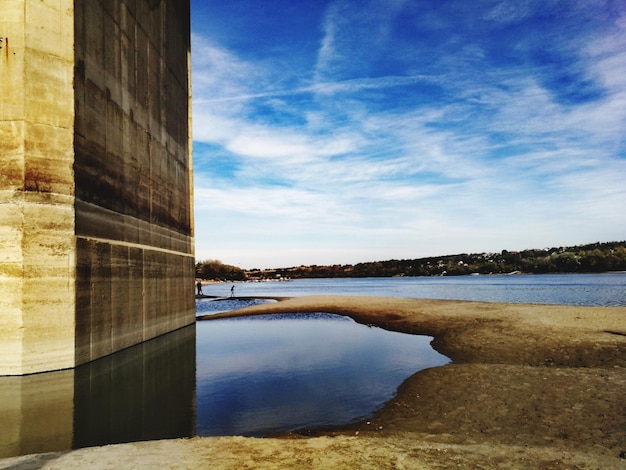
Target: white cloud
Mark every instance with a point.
(327, 172)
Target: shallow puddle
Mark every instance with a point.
(277, 373)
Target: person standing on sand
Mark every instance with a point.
(199, 287)
(232, 291)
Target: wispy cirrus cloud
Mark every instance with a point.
(328, 88)
(410, 130)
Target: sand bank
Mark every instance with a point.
(530, 386)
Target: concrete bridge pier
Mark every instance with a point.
(96, 221)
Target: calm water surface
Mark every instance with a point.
(279, 373)
(566, 289)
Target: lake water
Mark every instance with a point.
(256, 376)
(607, 289)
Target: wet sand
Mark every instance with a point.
(530, 386)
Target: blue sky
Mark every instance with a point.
(335, 132)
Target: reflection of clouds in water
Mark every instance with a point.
(256, 375)
(251, 345)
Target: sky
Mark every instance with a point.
(345, 131)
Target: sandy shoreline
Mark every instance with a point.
(530, 386)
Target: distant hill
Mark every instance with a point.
(591, 258)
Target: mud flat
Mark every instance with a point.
(530, 386)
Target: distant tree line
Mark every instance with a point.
(591, 258)
(216, 270)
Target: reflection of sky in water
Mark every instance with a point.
(256, 376)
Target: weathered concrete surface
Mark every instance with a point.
(96, 233)
(144, 392)
(37, 248)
